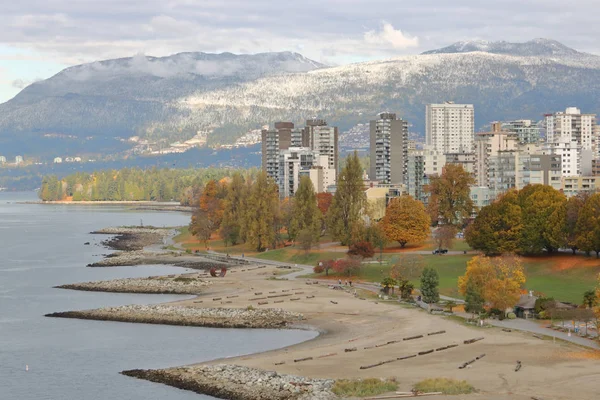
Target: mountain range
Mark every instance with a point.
(87, 107)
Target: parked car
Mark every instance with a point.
(440, 251)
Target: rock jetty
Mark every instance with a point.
(154, 285)
(133, 238)
(190, 316)
(236, 382)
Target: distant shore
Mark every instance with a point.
(139, 205)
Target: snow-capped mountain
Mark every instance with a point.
(229, 94)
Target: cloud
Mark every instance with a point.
(22, 83)
(390, 36)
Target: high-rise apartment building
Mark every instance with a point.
(19, 160)
(526, 130)
(449, 127)
(291, 162)
(2, 160)
(282, 137)
(573, 126)
(488, 144)
(322, 139)
(389, 149)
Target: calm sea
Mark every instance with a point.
(42, 246)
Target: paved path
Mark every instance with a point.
(517, 324)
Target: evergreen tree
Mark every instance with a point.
(429, 286)
(474, 301)
(349, 202)
(305, 215)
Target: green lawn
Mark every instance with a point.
(295, 255)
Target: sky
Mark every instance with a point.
(39, 38)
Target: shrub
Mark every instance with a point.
(319, 269)
(511, 315)
(363, 249)
(444, 385)
(363, 387)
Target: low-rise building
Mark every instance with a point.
(574, 185)
(58, 160)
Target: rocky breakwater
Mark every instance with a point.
(236, 382)
(154, 285)
(190, 316)
(133, 238)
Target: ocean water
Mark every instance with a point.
(42, 246)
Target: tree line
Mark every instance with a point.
(131, 184)
(535, 220)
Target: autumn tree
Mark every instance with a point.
(498, 279)
(361, 249)
(430, 281)
(572, 209)
(349, 203)
(262, 212)
(444, 236)
(307, 240)
(497, 228)
(543, 211)
(588, 225)
(305, 215)
(324, 202)
(406, 221)
(347, 266)
(450, 196)
(234, 210)
(408, 266)
(286, 211)
(590, 300)
(207, 217)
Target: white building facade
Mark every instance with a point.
(449, 127)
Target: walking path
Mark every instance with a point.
(517, 324)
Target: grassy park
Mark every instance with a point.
(562, 276)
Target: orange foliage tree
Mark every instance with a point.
(406, 221)
(500, 279)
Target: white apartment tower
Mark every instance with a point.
(389, 149)
(323, 139)
(449, 127)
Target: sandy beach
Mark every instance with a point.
(361, 336)
(359, 332)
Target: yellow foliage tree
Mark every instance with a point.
(597, 308)
(406, 221)
(500, 279)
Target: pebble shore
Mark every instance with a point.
(236, 382)
(152, 285)
(190, 316)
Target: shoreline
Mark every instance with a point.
(143, 205)
(358, 337)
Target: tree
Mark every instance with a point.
(234, 210)
(406, 221)
(327, 266)
(543, 212)
(450, 304)
(306, 239)
(406, 288)
(588, 225)
(347, 266)
(500, 280)
(474, 300)
(387, 284)
(324, 202)
(262, 208)
(429, 286)
(201, 226)
(286, 211)
(375, 235)
(349, 202)
(409, 267)
(590, 300)
(497, 228)
(210, 204)
(305, 215)
(362, 249)
(573, 207)
(450, 196)
(444, 236)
